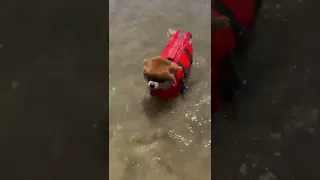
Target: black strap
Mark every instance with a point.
(234, 22)
(183, 69)
(188, 54)
(183, 84)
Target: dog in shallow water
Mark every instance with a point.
(166, 73)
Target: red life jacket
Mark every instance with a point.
(225, 39)
(179, 50)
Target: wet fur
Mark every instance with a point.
(160, 68)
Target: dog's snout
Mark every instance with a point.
(152, 85)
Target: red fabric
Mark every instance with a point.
(175, 50)
(223, 42)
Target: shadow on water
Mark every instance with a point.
(153, 107)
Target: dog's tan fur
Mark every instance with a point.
(160, 68)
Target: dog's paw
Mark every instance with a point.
(170, 32)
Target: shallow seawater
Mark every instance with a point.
(150, 139)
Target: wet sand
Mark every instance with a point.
(149, 139)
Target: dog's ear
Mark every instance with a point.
(145, 62)
(174, 67)
(167, 76)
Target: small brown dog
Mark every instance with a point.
(159, 72)
(165, 74)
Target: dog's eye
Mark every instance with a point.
(160, 81)
(149, 78)
(157, 80)
(146, 77)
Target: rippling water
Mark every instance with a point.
(151, 139)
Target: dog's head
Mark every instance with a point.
(159, 72)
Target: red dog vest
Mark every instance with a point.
(179, 50)
(242, 15)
